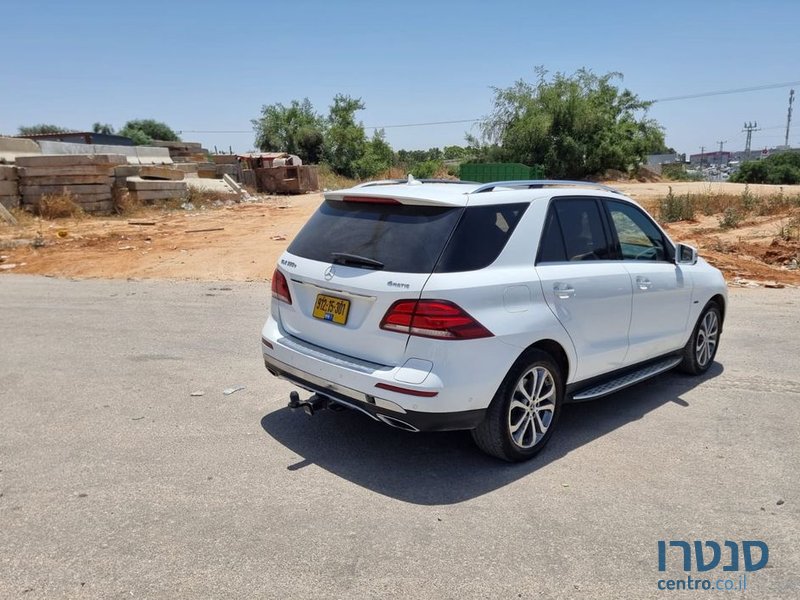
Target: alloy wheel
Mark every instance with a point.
(707, 336)
(532, 407)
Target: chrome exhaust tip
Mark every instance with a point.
(397, 423)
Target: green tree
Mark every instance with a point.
(296, 129)
(777, 169)
(345, 140)
(574, 125)
(378, 156)
(41, 129)
(103, 128)
(454, 153)
(144, 131)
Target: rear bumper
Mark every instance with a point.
(408, 420)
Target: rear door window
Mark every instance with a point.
(480, 236)
(405, 238)
(582, 233)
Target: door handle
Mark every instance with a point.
(644, 283)
(563, 290)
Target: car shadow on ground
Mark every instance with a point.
(447, 468)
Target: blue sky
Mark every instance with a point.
(210, 66)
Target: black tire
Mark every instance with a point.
(494, 435)
(700, 350)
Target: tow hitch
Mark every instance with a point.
(314, 404)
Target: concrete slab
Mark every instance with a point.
(127, 171)
(90, 170)
(11, 148)
(137, 184)
(134, 155)
(209, 185)
(72, 160)
(68, 180)
(79, 198)
(104, 206)
(160, 173)
(149, 196)
(147, 155)
(9, 188)
(65, 189)
(8, 173)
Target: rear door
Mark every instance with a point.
(662, 290)
(350, 263)
(587, 290)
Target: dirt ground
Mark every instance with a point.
(248, 239)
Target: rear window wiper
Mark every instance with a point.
(343, 258)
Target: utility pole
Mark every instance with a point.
(789, 118)
(720, 150)
(749, 128)
(702, 156)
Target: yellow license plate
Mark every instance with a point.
(330, 308)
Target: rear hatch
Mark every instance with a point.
(353, 259)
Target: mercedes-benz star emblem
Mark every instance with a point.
(329, 273)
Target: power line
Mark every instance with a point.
(250, 131)
(756, 88)
(423, 124)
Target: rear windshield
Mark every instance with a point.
(409, 238)
(405, 238)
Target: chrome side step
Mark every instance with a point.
(626, 380)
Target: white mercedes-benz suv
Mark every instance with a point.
(434, 306)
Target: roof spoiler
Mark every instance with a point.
(398, 181)
(540, 183)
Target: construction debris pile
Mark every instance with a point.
(192, 158)
(97, 176)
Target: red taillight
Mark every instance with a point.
(404, 390)
(437, 319)
(370, 200)
(280, 287)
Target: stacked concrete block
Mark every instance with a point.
(121, 174)
(9, 186)
(161, 173)
(182, 152)
(148, 191)
(207, 170)
(11, 148)
(88, 179)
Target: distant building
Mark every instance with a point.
(707, 159)
(663, 159)
(82, 137)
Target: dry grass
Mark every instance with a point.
(732, 209)
(24, 217)
(200, 197)
(126, 203)
(790, 231)
(59, 206)
(328, 180)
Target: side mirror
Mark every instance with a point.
(685, 255)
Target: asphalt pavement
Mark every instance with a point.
(116, 482)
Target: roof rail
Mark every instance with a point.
(540, 183)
